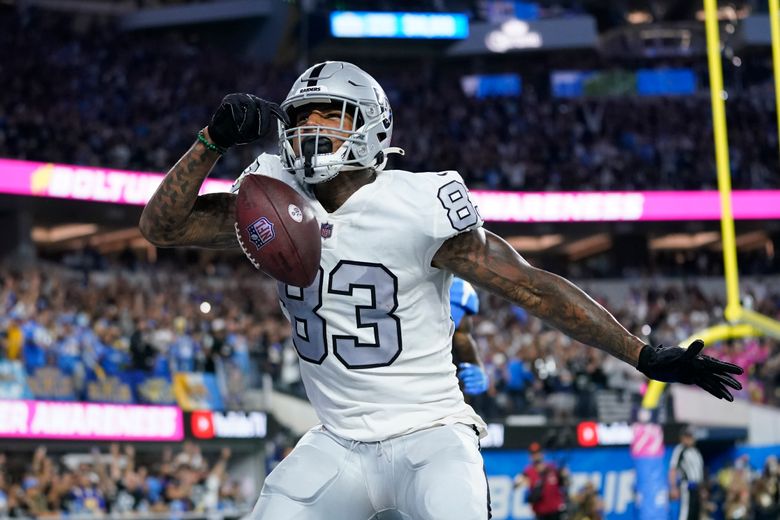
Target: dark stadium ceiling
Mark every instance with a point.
(608, 13)
(615, 13)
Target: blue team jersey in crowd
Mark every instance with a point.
(463, 300)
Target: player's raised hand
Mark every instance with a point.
(688, 366)
(475, 380)
(242, 118)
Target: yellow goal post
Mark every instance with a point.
(740, 322)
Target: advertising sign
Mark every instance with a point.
(625, 206)
(120, 187)
(64, 181)
(610, 469)
(591, 434)
(89, 421)
(207, 424)
(647, 449)
(380, 24)
(516, 35)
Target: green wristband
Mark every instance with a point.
(208, 144)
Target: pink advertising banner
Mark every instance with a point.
(124, 187)
(623, 206)
(89, 421)
(85, 183)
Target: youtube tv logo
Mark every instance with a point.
(590, 434)
(202, 424)
(209, 424)
(587, 434)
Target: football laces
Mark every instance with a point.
(243, 246)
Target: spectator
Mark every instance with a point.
(141, 352)
(737, 504)
(546, 485)
(766, 491)
(587, 504)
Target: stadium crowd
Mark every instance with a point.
(135, 101)
(534, 369)
(91, 325)
(740, 490)
(121, 482)
(118, 482)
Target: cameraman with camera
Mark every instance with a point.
(546, 484)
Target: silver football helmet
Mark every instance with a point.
(307, 151)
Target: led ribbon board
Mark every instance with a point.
(89, 421)
(123, 187)
(365, 24)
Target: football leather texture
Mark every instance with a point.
(278, 231)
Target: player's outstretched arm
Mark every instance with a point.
(176, 215)
(487, 261)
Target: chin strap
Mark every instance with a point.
(353, 167)
(387, 151)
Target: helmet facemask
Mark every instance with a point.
(308, 151)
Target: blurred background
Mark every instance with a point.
(153, 383)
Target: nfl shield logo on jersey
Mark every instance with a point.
(261, 232)
(326, 230)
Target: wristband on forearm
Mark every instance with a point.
(208, 144)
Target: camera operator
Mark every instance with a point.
(546, 486)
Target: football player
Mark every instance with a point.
(373, 331)
(464, 303)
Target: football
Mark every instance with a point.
(277, 230)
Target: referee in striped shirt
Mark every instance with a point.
(686, 473)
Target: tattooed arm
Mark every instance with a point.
(177, 216)
(487, 261)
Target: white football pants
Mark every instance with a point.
(434, 474)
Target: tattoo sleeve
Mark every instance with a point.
(177, 216)
(487, 261)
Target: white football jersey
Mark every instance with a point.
(373, 331)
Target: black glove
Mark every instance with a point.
(679, 365)
(242, 118)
